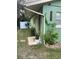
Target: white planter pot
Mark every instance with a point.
(33, 41)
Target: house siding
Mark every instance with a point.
(54, 7)
(35, 23)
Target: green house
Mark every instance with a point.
(37, 13)
(52, 10)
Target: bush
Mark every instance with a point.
(51, 36)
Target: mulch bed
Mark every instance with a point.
(57, 45)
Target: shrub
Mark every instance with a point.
(51, 35)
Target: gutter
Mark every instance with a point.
(34, 11)
(31, 3)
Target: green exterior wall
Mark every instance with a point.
(35, 23)
(54, 7)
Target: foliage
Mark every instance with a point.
(51, 35)
(33, 31)
(37, 36)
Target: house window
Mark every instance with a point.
(58, 15)
(58, 18)
(50, 15)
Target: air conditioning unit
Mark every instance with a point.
(24, 24)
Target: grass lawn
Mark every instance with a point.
(34, 52)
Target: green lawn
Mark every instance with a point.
(34, 52)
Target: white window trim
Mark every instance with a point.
(58, 26)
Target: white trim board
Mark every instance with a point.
(34, 11)
(58, 26)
